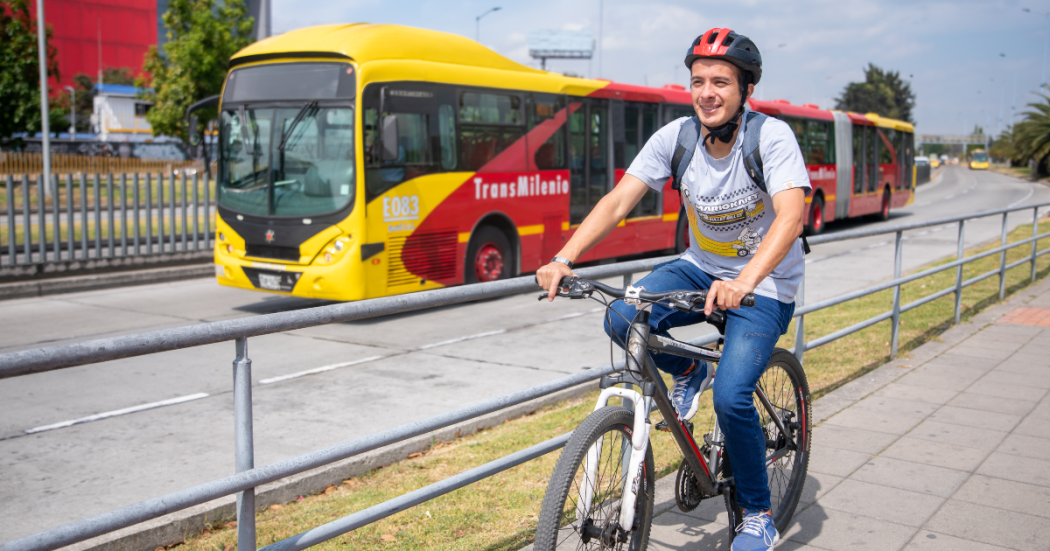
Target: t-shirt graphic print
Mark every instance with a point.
(728, 214)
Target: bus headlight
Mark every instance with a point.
(327, 257)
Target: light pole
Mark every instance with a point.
(477, 24)
(45, 124)
(72, 113)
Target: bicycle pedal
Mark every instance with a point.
(662, 425)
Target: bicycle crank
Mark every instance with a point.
(687, 491)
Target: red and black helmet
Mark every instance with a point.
(729, 46)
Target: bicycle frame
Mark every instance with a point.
(639, 342)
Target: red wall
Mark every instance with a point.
(128, 28)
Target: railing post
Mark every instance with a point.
(959, 275)
(245, 446)
(124, 214)
(1002, 264)
(83, 217)
(800, 326)
(98, 217)
(69, 217)
(12, 248)
(1035, 232)
(42, 212)
(109, 213)
(56, 218)
(27, 228)
(895, 332)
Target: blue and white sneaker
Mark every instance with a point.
(756, 533)
(685, 394)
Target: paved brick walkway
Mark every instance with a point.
(947, 449)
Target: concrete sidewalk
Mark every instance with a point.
(948, 449)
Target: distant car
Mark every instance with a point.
(934, 162)
(922, 170)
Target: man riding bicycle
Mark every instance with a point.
(737, 246)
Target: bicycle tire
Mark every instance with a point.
(785, 490)
(787, 476)
(557, 524)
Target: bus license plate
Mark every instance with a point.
(270, 282)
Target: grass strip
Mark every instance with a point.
(500, 513)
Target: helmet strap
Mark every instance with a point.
(724, 132)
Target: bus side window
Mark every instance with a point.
(820, 147)
(798, 126)
(447, 136)
(488, 124)
(639, 123)
(548, 154)
(858, 159)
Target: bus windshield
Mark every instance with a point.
(286, 161)
(980, 156)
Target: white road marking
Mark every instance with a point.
(116, 412)
(321, 369)
(1031, 190)
(461, 339)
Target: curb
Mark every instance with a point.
(176, 527)
(43, 287)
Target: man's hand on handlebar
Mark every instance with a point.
(549, 276)
(726, 295)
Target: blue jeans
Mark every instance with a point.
(751, 334)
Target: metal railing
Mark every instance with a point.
(248, 477)
(104, 217)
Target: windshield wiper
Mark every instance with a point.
(295, 122)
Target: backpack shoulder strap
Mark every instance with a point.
(688, 137)
(753, 121)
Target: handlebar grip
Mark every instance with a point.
(748, 300)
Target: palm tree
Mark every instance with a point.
(1032, 135)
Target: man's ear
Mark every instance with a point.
(750, 91)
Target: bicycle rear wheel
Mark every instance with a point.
(563, 522)
(784, 383)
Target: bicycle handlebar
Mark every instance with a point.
(575, 287)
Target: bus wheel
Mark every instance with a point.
(488, 256)
(816, 216)
(681, 235)
(884, 213)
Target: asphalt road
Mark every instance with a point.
(390, 370)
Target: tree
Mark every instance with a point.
(118, 75)
(1031, 137)
(1003, 146)
(201, 40)
(882, 92)
(20, 70)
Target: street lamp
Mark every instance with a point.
(477, 23)
(72, 112)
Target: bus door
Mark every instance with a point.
(888, 167)
(633, 123)
(871, 142)
(589, 175)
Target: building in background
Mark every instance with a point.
(92, 35)
(119, 116)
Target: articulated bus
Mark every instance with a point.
(359, 161)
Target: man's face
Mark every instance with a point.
(715, 87)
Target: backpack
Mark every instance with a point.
(689, 136)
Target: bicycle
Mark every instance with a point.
(592, 503)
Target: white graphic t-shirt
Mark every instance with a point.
(728, 214)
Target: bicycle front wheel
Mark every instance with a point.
(583, 512)
(787, 455)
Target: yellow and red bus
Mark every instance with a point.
(359, 161)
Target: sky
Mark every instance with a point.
(969, 62)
